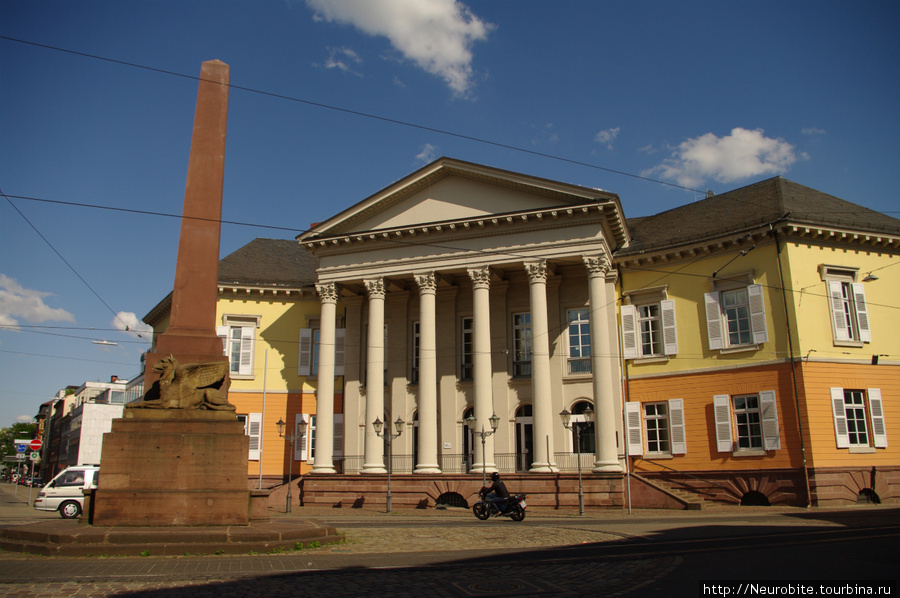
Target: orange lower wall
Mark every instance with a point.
(698, 390)
(815, 381)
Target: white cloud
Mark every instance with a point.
(17, 302)
(607, 137)
(813, 131)
(648, 149)
(341, 59)
(437, 35)
(428, 154)
(129, 323)
(739, 155)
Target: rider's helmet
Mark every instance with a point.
(495, 476)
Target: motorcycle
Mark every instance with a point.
(514, 508)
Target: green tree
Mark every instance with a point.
(9, 435)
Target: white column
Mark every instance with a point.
(324, 455)
(481, 365)
(540, 368)
(427, 403)
(373, 460)
(602, 300)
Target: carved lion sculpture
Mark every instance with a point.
(190, 386)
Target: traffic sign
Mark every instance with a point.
(20, 448)
(35, 444)
(35, 456)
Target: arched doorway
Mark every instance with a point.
(582, 440)
(468, 440)
(524, 437)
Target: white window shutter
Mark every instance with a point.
(339, 335)
(840, 418)
(676, 425)
(862, 313)
(879, 431)
(222, 333)
(300, 444)
(722, 413)
(629, 332)
(254, 429)
(634, 434)
(714, 322)
(838, 319)
(670, 335)
(769, 409)
(248, 340)
(757, 313)
(306, 351)
(338, 448)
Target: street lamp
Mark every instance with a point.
(300, 433)
(379, 428)
(566, 417)
(471, 423)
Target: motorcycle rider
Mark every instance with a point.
(497, 493)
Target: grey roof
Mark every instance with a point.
(752, 206)
(271, 263)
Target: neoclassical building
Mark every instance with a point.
(469, 292)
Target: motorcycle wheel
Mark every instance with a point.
(518, 513)
(481, 511)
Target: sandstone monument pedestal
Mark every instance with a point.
(173, 467)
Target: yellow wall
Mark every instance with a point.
(687, 281)
(809, 300)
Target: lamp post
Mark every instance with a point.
(566, 417)
(379, 431)
(300, 432)
(471, 423)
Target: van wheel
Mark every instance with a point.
(70, 509)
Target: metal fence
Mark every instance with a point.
(460, 463)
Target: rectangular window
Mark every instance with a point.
(656, 417)
(238, 344)
(648, 329)
(747, 422)
(522, 345)
(310, 349)
(252, 428)
(579, 341)
(736, 317)
(858, 418)
(467, 350)
(414, 374)
(849, 313)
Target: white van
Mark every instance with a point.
(64, 492)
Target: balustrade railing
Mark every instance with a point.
(460, 463)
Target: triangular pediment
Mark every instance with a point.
(449, 191)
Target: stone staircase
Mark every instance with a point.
(690, 500)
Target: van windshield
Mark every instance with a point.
(71, 478)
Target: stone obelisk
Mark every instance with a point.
(165, 463)
(191, 334)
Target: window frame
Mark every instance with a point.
(246, 327)
(635, 438)
(717, 323)
(726, 424)
(308, 358)
(876, 430)
(847, 306)
(585, 364)
(633, 347)
(416, 343)
(523, 349)
(467, 348)
(252, 428)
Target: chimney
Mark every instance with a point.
(114, 379)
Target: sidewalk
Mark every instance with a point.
(443, 553)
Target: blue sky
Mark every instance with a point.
(695, 94)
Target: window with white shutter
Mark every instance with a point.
(858, 419)
(747, 424)
(736, 316)
(238, 336)
(648, 327)
(310, 346)
(634, 433)
(722, 415)
(849, 313)
(253, 429)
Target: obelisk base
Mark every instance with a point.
(173, 467)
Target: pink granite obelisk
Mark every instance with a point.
(180, 466)
(191, 333)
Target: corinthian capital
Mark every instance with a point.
(375, 288)
(481, 277)
(426, 282)
(597, 265)
(327, 292)
(537, 270)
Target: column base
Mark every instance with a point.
(427, 469)
(483, 468)
(374, 469)
(606, 467)
(323, 469)
(543, 468)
